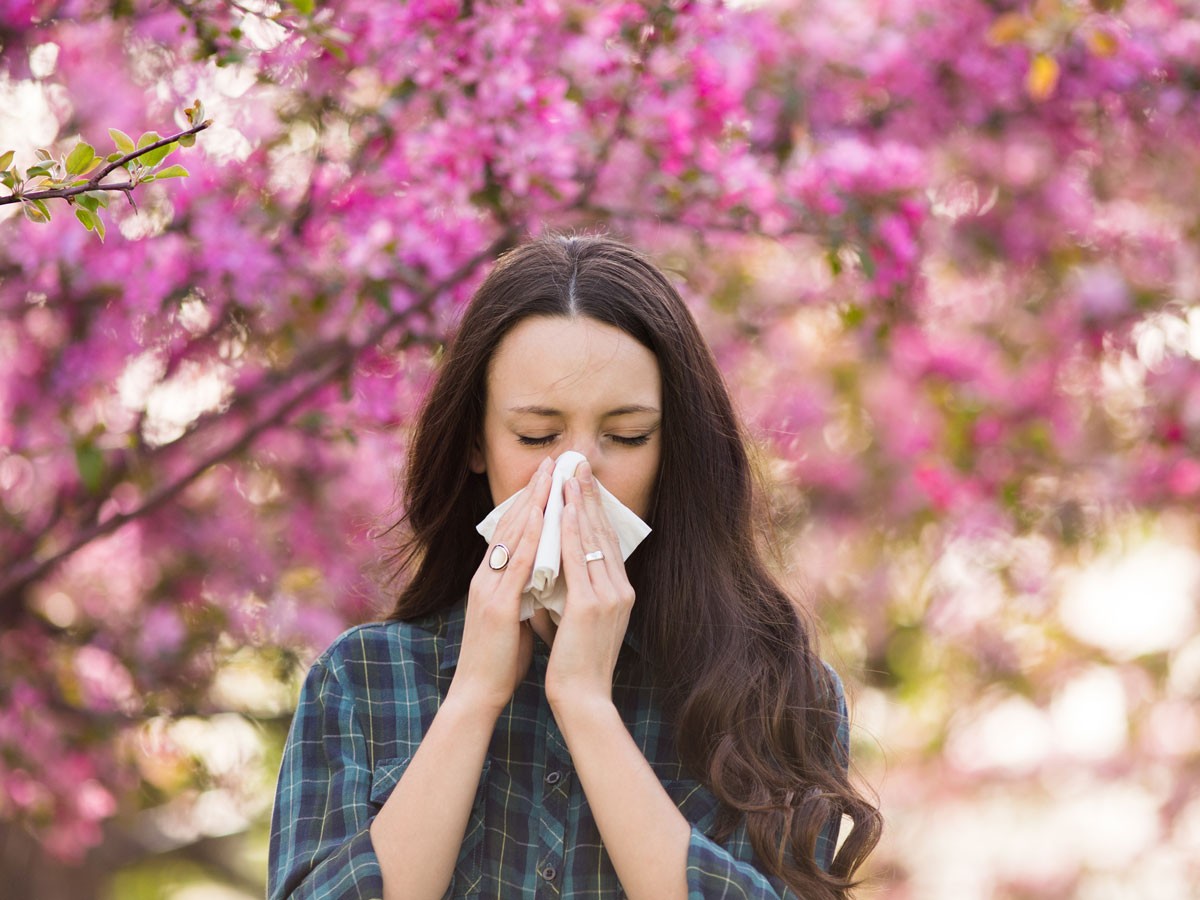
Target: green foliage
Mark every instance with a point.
(123, 141)
(63, 179)
(88, 458)
(82, 159)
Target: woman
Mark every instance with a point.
(673, 734)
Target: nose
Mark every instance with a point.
(590, 449)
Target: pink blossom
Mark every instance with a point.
(1184, 479)
(921, 286)
(104, 683)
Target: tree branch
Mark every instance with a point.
(93, 183)
(18, 577)
(589, 180)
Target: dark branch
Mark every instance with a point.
(93, 183)
(20, 576)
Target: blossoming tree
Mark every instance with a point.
(947, 252)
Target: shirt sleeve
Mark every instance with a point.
(714, 872)
(320, 843)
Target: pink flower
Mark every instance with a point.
(1184, 478)
(105, 685)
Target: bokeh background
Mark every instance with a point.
(947, 253)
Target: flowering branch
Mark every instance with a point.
(61, 179)
(341, 357)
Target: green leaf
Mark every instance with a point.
(333, 48)
(33, 213)
(80, 158)
(9, 179)
(835, 262)
(91, 221)
(172, 172)
(154, 157)
(123, 142)
(86, 201)
(43, 154)
(866, 261)
(87, 218)
(147, 139)
(187, 140)
(113, 157)
(90, 462)
(35, 171)
(42, 208)
(853, 316)
(6, 159)
(304, 7)
(101, 198)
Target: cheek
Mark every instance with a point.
(508, 472)
(636, 488)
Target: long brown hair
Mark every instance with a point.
(754, 709)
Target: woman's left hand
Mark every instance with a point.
(599, 600)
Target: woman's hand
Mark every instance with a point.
(497, 647)
(599, 600)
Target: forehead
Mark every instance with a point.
(548, 359)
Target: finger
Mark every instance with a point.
(515, 521)
(588, 540)
(531, 534)
(597, 532)
(597, 516)
(521, 555)
(536, 492)
(573, 563)
(504, 586)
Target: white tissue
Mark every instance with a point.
(545, 589)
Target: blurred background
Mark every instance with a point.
(947, 253)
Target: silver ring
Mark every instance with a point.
(498, 558)
(593, 556)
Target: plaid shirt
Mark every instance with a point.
(365, 705)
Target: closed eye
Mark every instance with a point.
(631, 441)
(544, 440)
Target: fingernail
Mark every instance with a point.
(544, 466)
(584, 473)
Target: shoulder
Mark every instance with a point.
(421, 642)
(834, 694)
(834, 688)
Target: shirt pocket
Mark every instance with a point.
(695, 801)
(468, 870)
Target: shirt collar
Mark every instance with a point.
(456, 618)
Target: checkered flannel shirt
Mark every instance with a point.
(364, 707)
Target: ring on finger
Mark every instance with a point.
(498, 558)
(593, 556)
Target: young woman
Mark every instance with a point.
(673, 734)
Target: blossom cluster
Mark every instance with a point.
(945, 252)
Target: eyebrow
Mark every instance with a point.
(550, 412)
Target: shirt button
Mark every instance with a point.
(553, 777)
(548, 872)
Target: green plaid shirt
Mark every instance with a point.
(364, 708)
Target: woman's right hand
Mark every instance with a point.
(497, 647)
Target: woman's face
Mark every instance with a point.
(558, 384)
